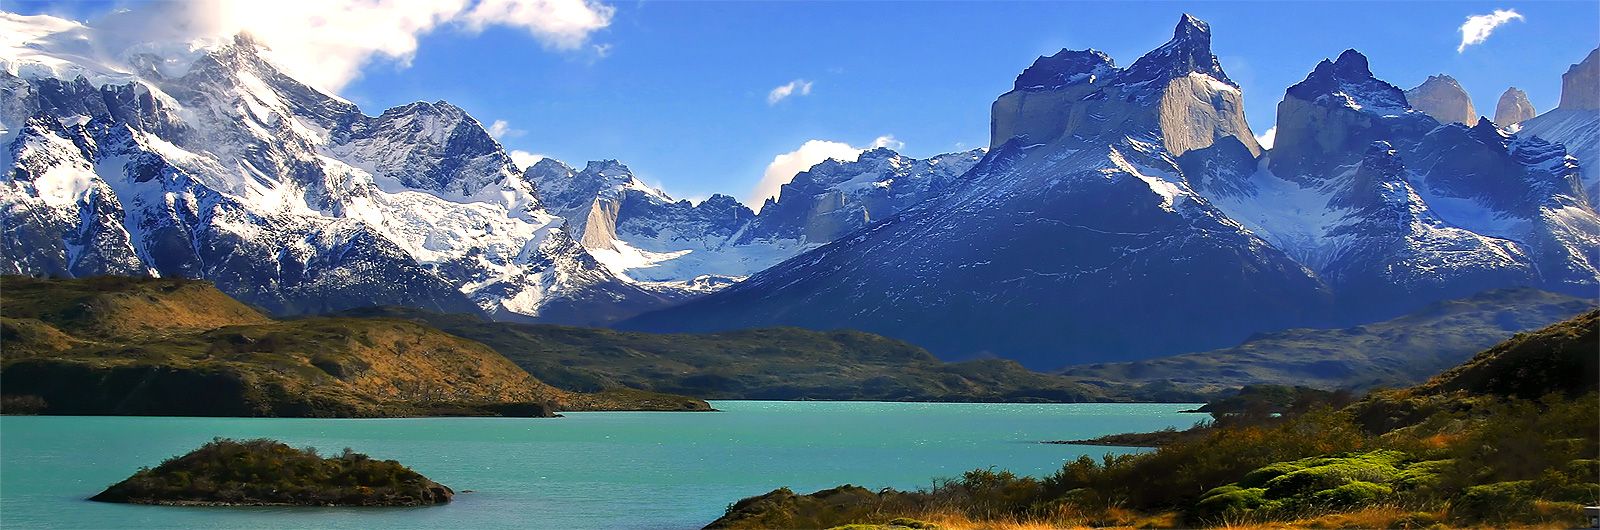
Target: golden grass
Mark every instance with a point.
(1377, 517)
(1110, 518)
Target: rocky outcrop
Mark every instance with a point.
(1513, 108)
(1444, 99)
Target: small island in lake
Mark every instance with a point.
(265, 472)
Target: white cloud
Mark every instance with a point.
(784, 167)
(523, 159)
(1266, 139)
(561, 24)
(326, 43)
(1478, 27)
(501, 129)
(798, 86)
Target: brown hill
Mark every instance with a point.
(180, 347)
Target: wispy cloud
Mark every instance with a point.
(501, 130)
(797, 87)
(783, 167)
(1478, 27)
(523, 159)
(327, 43)
(1266, 139)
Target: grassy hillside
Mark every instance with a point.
(1398, 352)
(180, 347)
(773, 363)
(1510, 439)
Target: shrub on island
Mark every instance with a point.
(265, 472)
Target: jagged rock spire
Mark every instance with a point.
(1189, 51)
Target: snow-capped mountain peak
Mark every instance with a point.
(210, 162)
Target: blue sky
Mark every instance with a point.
(681, 91)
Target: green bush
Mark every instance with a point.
(1328, 473)
(1229, 501)
(1500, 501)
(1350, 495)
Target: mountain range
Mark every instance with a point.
(1126, 213)
(1119, 213)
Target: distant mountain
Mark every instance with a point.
(835, 197)
(1394, 353)
(1575, 123)
(641, 234)
(215, 164)
(1125, 213)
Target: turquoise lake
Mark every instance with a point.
(587, 470)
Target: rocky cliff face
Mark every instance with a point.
(1444, 99)
(1580, 86)
(1513, 108)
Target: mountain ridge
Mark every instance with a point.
(1364, 209)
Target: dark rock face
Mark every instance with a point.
(1188, 52)
(1066, 67)
(1321, 125)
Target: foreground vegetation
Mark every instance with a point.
(1510, 438)
(264, 472)
(147, 346)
